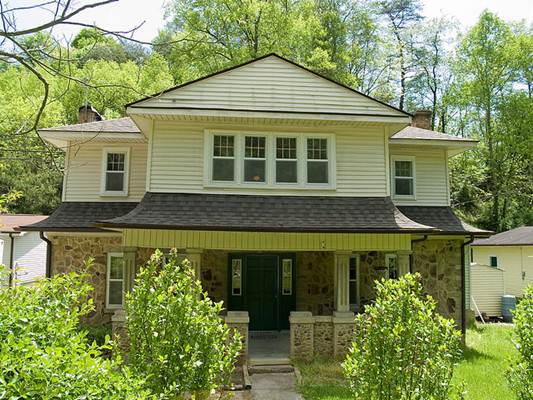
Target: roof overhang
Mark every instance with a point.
(453, 147)
(61, 139)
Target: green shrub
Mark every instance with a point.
(176, 335)
(521, 374)
(402, 349)
(99, 334)
(43, 353)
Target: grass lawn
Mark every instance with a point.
(482, 369)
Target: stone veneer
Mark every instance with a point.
(315, 282)
(214, 275)
(69, 254)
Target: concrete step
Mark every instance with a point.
(269, 361)
(270, 369)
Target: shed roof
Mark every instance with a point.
(522, 236)
(412, 132)
(8, 222)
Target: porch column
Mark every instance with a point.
(195, 258)
(129, 255)
(342, 282)
(403, 262)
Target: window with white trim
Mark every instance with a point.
(115, 164)
(493, 261)
(403, 177)
(286, 277)
(354, 280)
(115, 280)
(391, 265)
(236, 277)
(269, 160)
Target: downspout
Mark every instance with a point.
(411, 255)
(463, 286)
(11, 259)
(48, 254)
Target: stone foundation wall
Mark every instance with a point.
(238, 321)
(214, 275)
(315, 282)
(439, 263)
(371, 268)
(69, 254)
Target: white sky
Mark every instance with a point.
(125, 14)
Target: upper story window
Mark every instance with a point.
(115, 172)
(269, 161)
(403, 177)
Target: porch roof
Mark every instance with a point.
(266, 213)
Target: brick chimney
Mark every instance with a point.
(422, 119)
(88, 113)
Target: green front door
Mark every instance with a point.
(262, 291)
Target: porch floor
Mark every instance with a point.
(269, 347)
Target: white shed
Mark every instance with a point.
(487, 289)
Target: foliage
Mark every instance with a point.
(43, 353)
(521, 374)
(97, 333)
(176, 335)
(402, 349)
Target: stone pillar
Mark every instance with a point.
(238, 321)
(343, 331)
(403, 262)
(118, 328)
(195, 258)
(342, 281)
(302, 334)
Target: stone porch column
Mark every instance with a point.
(403, 262)
(342, 282)
(238, 321)
(195, 258)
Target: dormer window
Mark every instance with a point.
(269, 161)
(115, 172)
(403, 177)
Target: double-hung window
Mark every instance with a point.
(403, 177)
(391, 265)
(354, 280)
(115, 172)
(115, 280)
(273, 160)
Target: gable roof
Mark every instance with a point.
(522, 236)
(268, 84)
(8, 222)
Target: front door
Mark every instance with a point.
(262, 291)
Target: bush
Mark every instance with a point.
(176, 335)
(402, 349)
(43, 352)
(521, 373)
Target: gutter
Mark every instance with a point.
(463, 286)
(11, 259)
(411, 255)
(48, 254)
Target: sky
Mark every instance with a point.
(126, 14)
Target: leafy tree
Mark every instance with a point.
(44, 355)
(521, 373)
(176, 335)
(402, 349)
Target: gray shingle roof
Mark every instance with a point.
(442, 218)
(522, 236)
(118, 125)
(266, 213)
(80, 216)
(411, 132)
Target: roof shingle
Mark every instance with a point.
(442, 218)
(8, 223)
(412, 132)
(522, 236)
(118, 125)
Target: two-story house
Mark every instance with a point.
(289, 193)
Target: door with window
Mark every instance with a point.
(263, 285)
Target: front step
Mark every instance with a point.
(271, 369)
(262, 361)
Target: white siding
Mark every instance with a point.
(177, 162)
(487, 289)
(30, 258)
(4, 258)
(84, 172)
(515, 261)
(431, 175)
(271, 84)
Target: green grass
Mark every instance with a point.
(482, 370)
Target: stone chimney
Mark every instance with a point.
(422, 119)
(88, 113)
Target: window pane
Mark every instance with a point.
(114, 181)
(286, 282)
(254, 170)
(116, 268)
(353, 292)
(493, 261)
(391, 266)
(353, 268)
(115, 161)
(317, 172)
(223, 146)
(223, 169)
(254, 147)
(236, 276)
(404, 186)
(317, 149)
(403, 168)
(115, 292)
(286, 148)
(286, 171)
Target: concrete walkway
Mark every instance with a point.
(270, 386)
